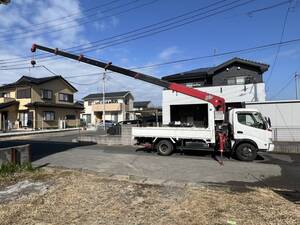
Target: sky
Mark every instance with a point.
(108, 30)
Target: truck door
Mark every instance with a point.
(251, 125)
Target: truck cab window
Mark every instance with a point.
(252, 120)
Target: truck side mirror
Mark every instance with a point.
(269, 122)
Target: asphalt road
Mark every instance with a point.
(271, 170)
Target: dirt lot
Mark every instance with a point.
(74, 197)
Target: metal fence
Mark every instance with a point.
(9, 126)
(291, 134)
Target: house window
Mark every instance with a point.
(231, 81)
(195, 84)
(24, 93)
(89, 102)
(236, 80)
(5, 94)
(47, 94)
(49, 116)
(65, 97)
(87, 118)
(70, 117)
(23, 119)
(240, 80)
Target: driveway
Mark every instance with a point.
(271, 170)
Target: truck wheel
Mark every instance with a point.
(246, 152)
(164, 147)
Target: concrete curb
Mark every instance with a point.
(25, 133)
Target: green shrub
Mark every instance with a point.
(11, 168)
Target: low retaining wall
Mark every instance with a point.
(107, 140)
(124, 139)
(287, 147)
(17, 154)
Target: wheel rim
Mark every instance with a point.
(246, 152)
(163, 148)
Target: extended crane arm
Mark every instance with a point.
(218, 102)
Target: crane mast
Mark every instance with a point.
(216, 101)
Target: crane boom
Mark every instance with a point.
(216, 101)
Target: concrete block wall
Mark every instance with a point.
(16, 154)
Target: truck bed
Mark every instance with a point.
(175, 132)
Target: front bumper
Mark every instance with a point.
(271, 147)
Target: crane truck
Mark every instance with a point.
(239, 131)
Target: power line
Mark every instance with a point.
(283, 87)
(168, 27)
(68, 16)
(141, 28)
(196, 58)
(251, 49)
(23, 35)
(250, 13)
(279, 47)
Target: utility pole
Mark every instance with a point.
(103, 100)
(297, 85)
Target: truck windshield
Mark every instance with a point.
(252, 119)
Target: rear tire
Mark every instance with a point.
(246, 152)
(164, 147)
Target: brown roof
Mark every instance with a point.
(8, 104)
(26, 80)
(55, 105)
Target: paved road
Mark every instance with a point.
(273, 170)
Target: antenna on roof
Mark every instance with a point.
(215, 53)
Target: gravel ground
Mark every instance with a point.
(76, 197)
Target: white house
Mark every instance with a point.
(236, 80)
(118, 107)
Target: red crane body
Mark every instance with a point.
(216, 101)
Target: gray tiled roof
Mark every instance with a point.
(204, 72)
(107, 95)
(141, 104)
(25, 80)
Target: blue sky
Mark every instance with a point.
(233, 30)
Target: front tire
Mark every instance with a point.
(246, 152)
(164, 147)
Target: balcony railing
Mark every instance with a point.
(108, 107)
(6, 99)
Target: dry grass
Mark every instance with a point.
(85, 198)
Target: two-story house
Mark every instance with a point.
(142, 105)
(236, 80)
(118, 107)
(38, 103)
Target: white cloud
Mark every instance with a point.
(17, 19)
(168, 53)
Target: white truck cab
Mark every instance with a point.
(249, 126)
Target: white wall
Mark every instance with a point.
(238, 93)
(281, 113)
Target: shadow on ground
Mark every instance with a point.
(40, 149)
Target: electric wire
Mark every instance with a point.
(119, 41)
(22, 35)
(68, 16)
(279, 47)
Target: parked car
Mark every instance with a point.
(115, 129)
(108, 123)
(129, 122)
